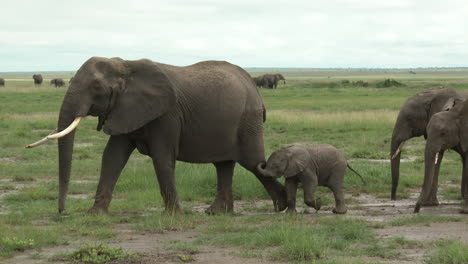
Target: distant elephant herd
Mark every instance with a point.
(38, 79)
(211, 112)
(269, 80)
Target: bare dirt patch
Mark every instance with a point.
(158, 247)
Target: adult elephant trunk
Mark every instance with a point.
(430, 160)
(65, 150)
(69, 117)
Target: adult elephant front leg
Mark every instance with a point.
(432, 199)
(165, 168)
(114, 158)
(224, 201)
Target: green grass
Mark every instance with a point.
(310, 109)
(449, 252)
(424, 220)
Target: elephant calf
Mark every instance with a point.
(321, 165)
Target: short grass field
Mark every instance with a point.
(313, 107)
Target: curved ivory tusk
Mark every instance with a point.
(40, 142)
(436, 158)
(67, 130)
(398, 150)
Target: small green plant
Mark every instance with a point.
(15, 244)
(97, 254)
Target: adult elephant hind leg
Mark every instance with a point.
(114, 158)
(464, 187)
(275, 189)
(224, 202)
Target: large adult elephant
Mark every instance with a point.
(37, 79)
(57, 82)
(2, 82)
(209, 112)
(411, 122)
(271, 80)
(446, 130)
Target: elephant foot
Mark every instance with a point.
(464, 210)
(314, 203)
(417, 208)
(430, 202)
(280, 204)
(339, 210)
(97, 210)
(220, 207)
(173, 211)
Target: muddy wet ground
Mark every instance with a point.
(153, 246)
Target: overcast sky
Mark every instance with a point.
(62, 34)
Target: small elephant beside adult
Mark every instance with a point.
(37, 79)
(321, 165)
(208, 112)
(2, 82)
(447, 129)
(411, 122)
(57, 82)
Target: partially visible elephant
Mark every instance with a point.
(58, 82)
(208, 112)
(446, 130)
(271, 80)
(2, 82)
(321, 165)
(258, 81)
(37, 79)
(411, 122)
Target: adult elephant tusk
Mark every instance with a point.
(67, 130)
(436, 158)
(398, 150)
(40, 142)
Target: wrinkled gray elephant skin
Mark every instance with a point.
(446, 130)
(321, 165)
(209, 112)
(411, 122)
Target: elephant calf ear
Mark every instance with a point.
(147, 93)
(298, 158)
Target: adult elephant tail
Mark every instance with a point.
(264, 113)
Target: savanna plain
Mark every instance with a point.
(313, 107)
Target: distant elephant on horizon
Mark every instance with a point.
(58, 82)
(271, 80)
(2, 82)
(37, 79)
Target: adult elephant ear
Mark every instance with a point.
(145, 94)
(298, 158)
